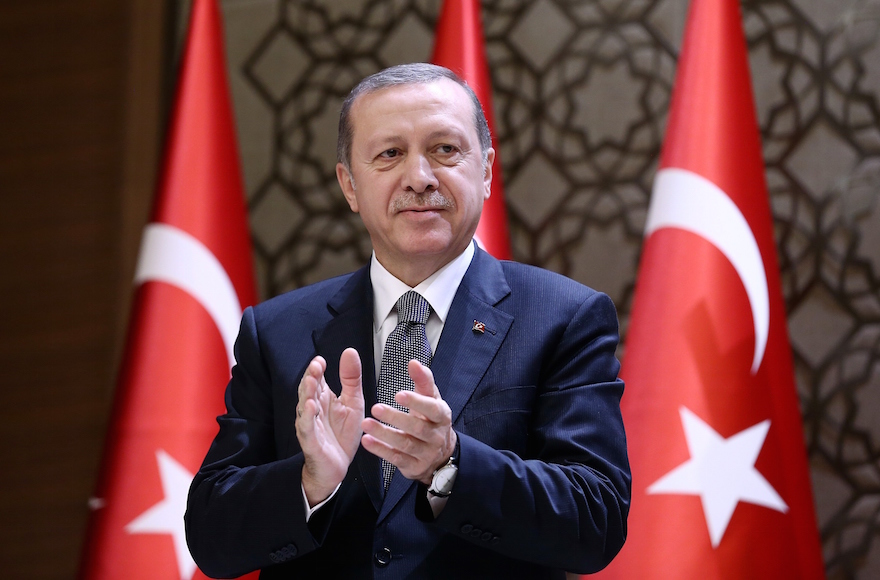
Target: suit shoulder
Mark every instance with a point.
(535, 291)
(552, 285)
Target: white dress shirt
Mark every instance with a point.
(438, 289)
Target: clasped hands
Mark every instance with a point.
(329, 428)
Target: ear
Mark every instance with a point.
(487, 173)
(343, 176)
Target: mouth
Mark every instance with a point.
(420, 214)
(424, 209)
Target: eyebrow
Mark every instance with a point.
(447, 133)
(391, 139)
(440, 134)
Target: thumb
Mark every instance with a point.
(350, 372)
(423, 379)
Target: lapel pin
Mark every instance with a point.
(479, 327)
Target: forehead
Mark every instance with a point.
(442, 102)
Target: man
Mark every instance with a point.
(502, 456)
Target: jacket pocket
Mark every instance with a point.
(501, 418)
(506, 400)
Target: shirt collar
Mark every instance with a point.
(438, 289)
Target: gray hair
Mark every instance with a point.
(405, 74)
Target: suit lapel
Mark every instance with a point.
(352, 326)
(463, 355)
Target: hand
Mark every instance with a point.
(329, 427)
(417, 442)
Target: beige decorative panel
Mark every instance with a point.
(581, 90)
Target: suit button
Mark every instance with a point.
(486, 536)
(274, 557)
(495, 540)
(466, 529)
(382, 557)
(476, 533)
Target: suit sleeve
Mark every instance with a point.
(565, 503)
(245, 509)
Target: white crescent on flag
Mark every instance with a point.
(682, 199)
(170, 255)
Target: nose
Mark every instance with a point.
(418, 175)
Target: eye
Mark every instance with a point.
(390, 154)
(446, 149)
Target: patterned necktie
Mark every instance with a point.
(407, 341)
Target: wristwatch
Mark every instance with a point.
(444, 478)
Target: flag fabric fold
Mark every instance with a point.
(194, 277)
(459, 46)
(721, 483)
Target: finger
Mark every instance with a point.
(423, 379)
(376, 441)
(431, 409)
(401, 420)
(306, 420)
(427, 429)
(380, 449)
(317, 367)
(383, 442)
(310, 386)
(314, 370)
(375, 428)
(396, 439)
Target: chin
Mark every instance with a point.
(427, 241)
(425, 250)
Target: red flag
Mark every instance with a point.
(721, 486)
(459, 46)
(194, 277)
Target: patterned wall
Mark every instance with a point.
(581, 89)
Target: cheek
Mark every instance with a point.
(374, 214)
(472, 196)
(369, 213)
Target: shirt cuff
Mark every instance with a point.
(311, 510)
(437, 503)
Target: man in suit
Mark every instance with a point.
(504, 453)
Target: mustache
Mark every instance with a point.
(411, 200)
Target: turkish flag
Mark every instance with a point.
(721, 485)
(194, 277)
(459, 46)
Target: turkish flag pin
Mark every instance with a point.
(479, 327)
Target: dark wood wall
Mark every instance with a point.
(79, 109)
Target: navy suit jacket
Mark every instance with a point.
(543, 483)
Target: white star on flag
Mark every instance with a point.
(721, 471)
(166, 517)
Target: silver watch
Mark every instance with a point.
(444, 478)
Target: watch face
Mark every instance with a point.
(444, 479)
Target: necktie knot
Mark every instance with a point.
(412, 307)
